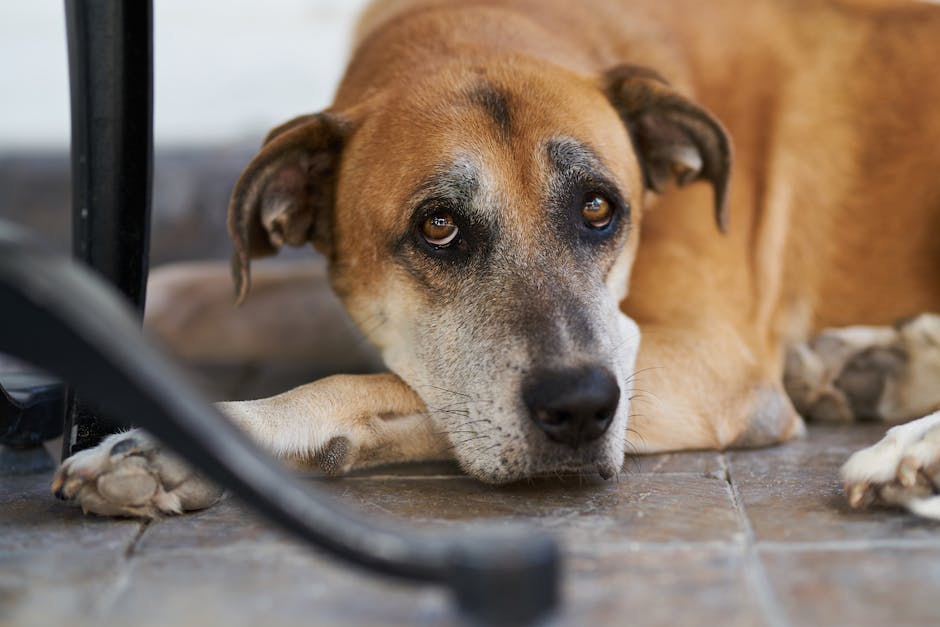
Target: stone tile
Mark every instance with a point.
(792, 493)
(268, 584)
(282, 584)
(661, 546)
(226, 524)
(706, 463)
(649, 587)
(59, 585)
(32, 519)
(878, 587)
(636, 510)
(57, 566)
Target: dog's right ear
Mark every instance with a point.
(675, 139)
(285, 195)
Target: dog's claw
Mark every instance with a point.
(58, 483)
(859, 494)
(909, 472)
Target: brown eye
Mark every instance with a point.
(440, 230)
(597, 212)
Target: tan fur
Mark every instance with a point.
(834, 201)
(833, 212)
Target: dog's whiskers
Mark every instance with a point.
(639, 436)
(454, 392)
(480, 450)
(453, 445)
(640, 371)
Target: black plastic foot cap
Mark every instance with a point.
(506, 576)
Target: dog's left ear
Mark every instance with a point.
(675, 139)
(285, 195)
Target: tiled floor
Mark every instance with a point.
(746, 538)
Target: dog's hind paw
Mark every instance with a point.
(130, 474)
(867, 373)
(902, 469)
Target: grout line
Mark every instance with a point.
(121, 582)
(677, 546)
(848, 545)
(132, 547)
(761, 583)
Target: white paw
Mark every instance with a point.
(902, 469)
(129, 474)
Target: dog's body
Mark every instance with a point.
(492, 177)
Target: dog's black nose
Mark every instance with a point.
(572, 406)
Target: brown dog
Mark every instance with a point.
(494, 174)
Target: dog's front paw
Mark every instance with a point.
(129, 474)
(902, 469)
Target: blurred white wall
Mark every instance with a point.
(225, 70)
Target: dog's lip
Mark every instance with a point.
(606, 471)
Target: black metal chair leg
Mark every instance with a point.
(63, 319)
(110, 46)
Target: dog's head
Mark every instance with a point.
(481, 226)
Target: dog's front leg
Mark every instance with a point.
(335, 424)
(343, 422)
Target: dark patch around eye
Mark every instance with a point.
(577, 174)
(451, 190)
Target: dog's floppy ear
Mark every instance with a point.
(675, 139)
(285, 195)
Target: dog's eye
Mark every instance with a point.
(597, 211)
(439, 230)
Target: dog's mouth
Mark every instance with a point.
(543, 443)
(604, 461)
(510, 411)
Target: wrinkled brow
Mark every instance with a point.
(495, 103)
(575, 165)
(457, 182)
(566, 155)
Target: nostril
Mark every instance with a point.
(551, 417)
(572, 406)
